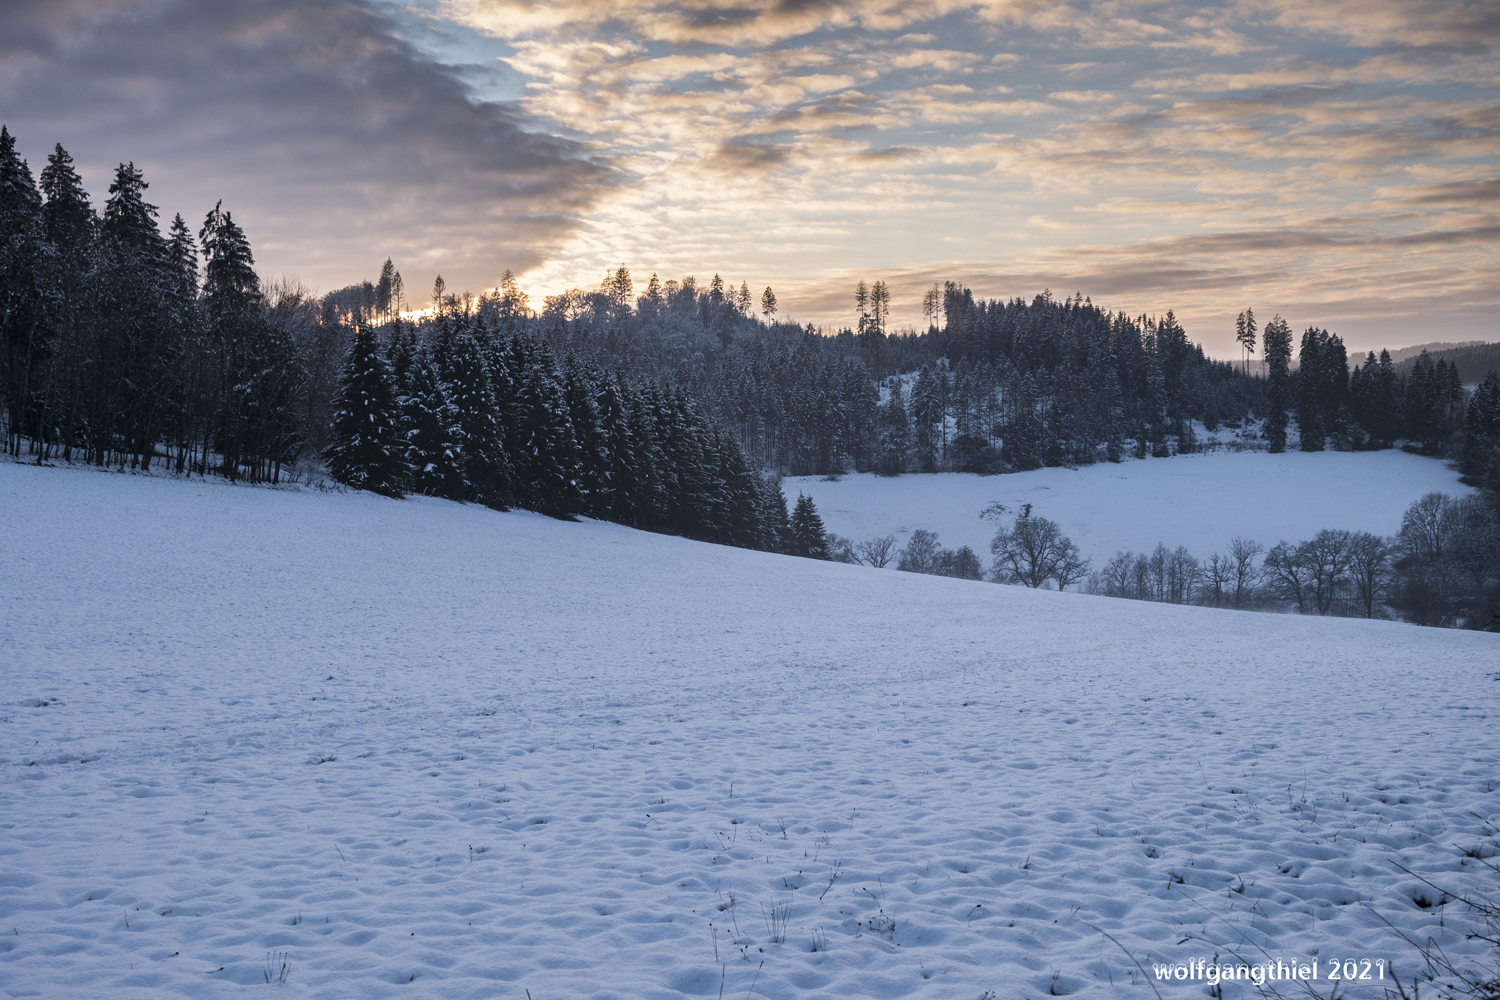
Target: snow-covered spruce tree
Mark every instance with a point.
(1276, 348)
(367, 452)
(625, 477)
(895, 434)
(1481, 443)
(487, 474)
(545, 452)
(69, 218)
(582, 390)
(23, 291)
(808, 537)
(741, 523)
(650, 483)
(685, 443)
(775, 524)
(399, 356)
(429, 431)
(1307, 383)
(137, 334)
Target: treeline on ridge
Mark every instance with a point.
(120, 350)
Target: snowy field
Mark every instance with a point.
(1201, 501)
(416, 749)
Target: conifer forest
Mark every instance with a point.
(673, 406)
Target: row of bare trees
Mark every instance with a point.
(1032, 551)
(1440, 569)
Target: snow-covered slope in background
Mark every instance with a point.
(412, 748)
(1201, 501)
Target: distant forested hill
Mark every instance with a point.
(1474, 360)
(664, 407)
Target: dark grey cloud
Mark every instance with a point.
(1483, 195)
(736, 158)
(335, 142)
(891, 154)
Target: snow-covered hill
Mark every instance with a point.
(411, 748)
(1201, 501)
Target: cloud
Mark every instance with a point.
(1333, 155)
(735, 158)
(1483, 194)
(333, 140)
(1464, 25)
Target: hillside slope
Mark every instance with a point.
(1201, 501)
(412, 748)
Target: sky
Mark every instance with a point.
(1337, 163)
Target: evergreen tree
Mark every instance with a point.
(808, 538)
(487, 474)
(1452, 398)
(1481, 447)
(367, 452)
(233, 309)
(927, 409)
(71, 227)
(651, 483)
(182, 252)
(628, 485)
(544, 453)
(269, 389)
(895, 433)
(1335, 388)
(25, 263)
(1424, 404)
(384, 288)
(1384, 389)
(400, 356)
(1244, 334)
(68, 217)
(229, 279)
(20, 202)
(774, 517)
(429, 431)
(1309, 383)
(741, 521)
(692, 484)
(1276, 347)
(582, 391)
(768, 303)
(128, 219)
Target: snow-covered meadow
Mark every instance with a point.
(412, 748)
(1201, 501)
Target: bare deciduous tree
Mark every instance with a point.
(1326, 559)
(1071, 567)
(877, 552)
(1033, 551)
(1220, 574)
(1118, 575)
(1288, 574)
(1243, 552)
(1369, 568)
(921, 552)
(840, 549)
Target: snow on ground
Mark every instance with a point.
(416, 749)
(1201, 501)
